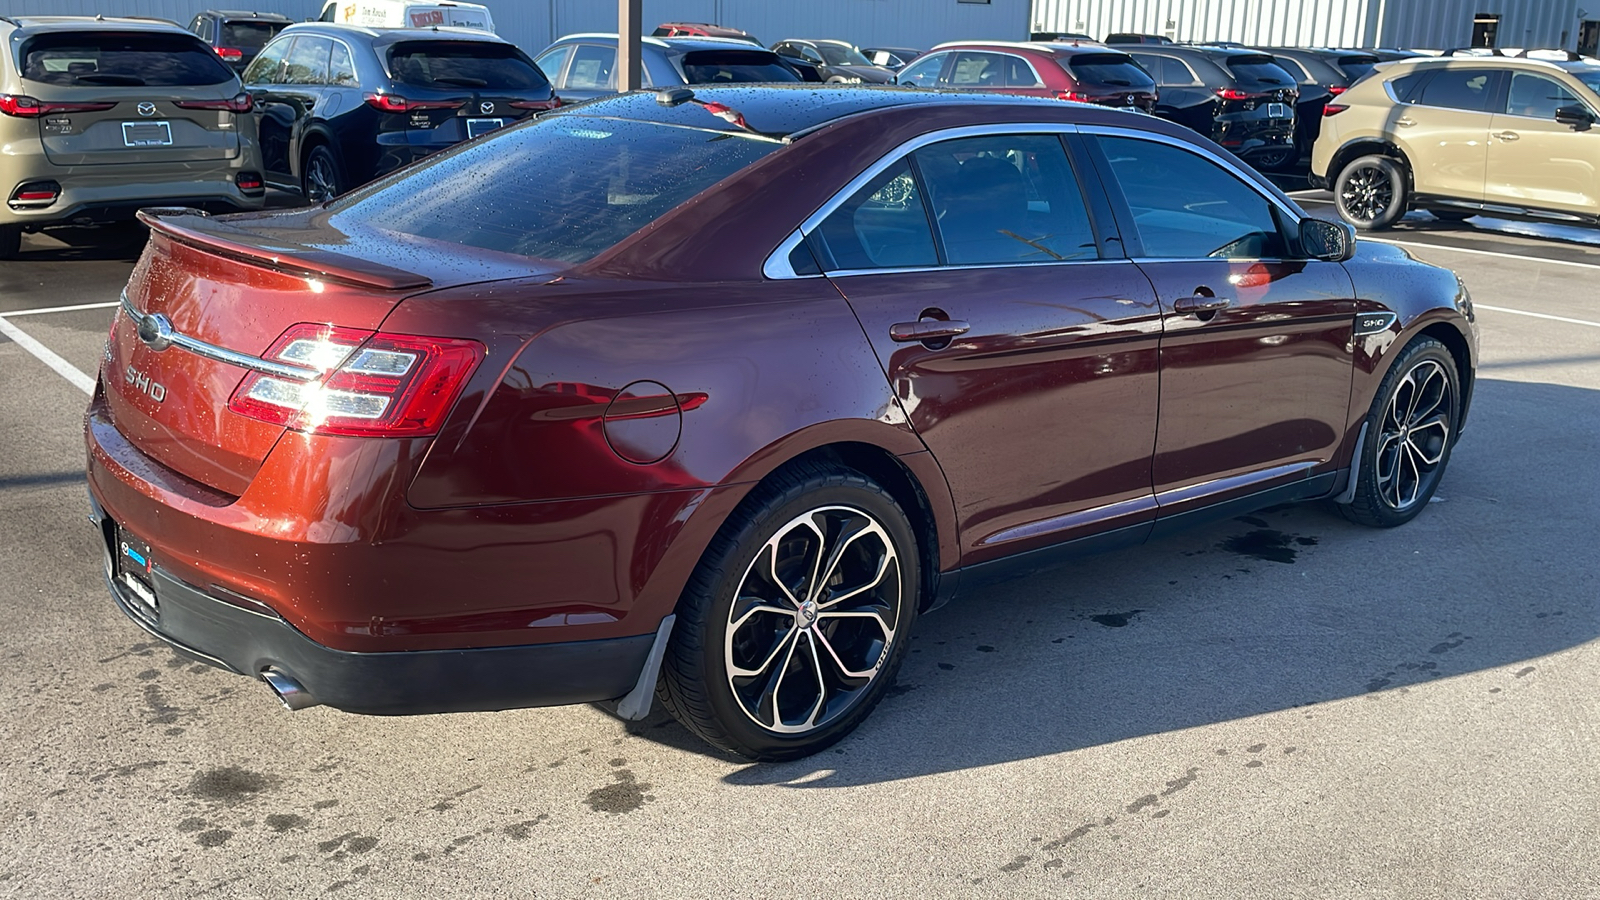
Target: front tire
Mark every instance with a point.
(1371, 193)
(1410, 431)
(797, 618)
(322, 181)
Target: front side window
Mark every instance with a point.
(1464, 89)
(307, 62)
(884, 225)
(925, 73)
(562, 188)
(1187, 207)
(267, 67)
(979, 71)
(591, 68)
(1537, 97)
(1006, 199)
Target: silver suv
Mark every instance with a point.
(101, 116)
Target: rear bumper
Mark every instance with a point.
(86, 200)
(248, 641)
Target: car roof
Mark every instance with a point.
(56, 24)
(684, 42)
(780, 110)
(1500, 62)
(1052, 48)
(383, 37)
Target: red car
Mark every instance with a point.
(1086, 72)
(707, 395)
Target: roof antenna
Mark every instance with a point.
(670, 97)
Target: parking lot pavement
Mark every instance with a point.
(1284, 704)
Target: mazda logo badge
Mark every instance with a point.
(156, 332)
(486, 108)
(147, 108)
(1130, 99)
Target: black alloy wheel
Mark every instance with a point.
(322, 179)
(1410, 430)
(797, 618)
(1370, 193)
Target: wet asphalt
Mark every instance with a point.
(1278, 705)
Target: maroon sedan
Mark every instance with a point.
(1085, 72)
(707, 396)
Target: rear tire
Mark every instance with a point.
(1276, 160)
(778, 654)
(1410, 431)
(10, 241)
(321, 180)
(1371, 192)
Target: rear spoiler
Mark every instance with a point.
(197, 229)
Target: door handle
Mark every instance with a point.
(1405, 121)
(1507, 136)
(1199, 303)
(927, 330)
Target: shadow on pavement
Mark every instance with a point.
(1286, 608)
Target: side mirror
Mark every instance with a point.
(1577, 117)
(1330, 241)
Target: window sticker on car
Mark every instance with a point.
(147, 134)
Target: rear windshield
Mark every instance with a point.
(108, 58)
(562, 188)
(1117, 69)
(1259, 70)
(464, 64)
(248, 35)
(1355, 67)
(728, 66)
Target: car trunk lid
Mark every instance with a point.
(235, 287)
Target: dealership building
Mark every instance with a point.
(1434, 24)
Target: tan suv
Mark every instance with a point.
(99, 117)
(1511, 137)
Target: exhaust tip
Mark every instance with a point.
(291, 693)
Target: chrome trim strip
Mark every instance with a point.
(1072, 520)
(1232, 482)
(911, 270)
(161, 334)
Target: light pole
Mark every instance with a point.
(630, 48)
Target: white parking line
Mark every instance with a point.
(1527, 259)
(1520, 312)
(63, 368)
(56, 309)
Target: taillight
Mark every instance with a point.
(230, 53)
(1075, 96)
(1333, 109)
(239, 103)
(394, 103)
(248, 181)
(1337, 89)
(1235, 94)
(370, 385)
(28, 107)
(552, 103)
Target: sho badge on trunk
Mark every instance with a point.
(152, 389)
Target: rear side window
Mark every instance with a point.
(1405, 87)
(1006, 199)
(248, 35)
(1115, 69)
(1463, 89)
(109, 58)
(883, 226)
(732, 66)
(562, 188)
(1259, 70)
(552, 61)
(464, 64)
(1188, 207)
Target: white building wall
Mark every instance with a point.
(1435, 24)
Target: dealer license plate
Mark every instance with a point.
(147, 134)
(132, 568)
(476, 127)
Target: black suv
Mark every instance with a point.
(238, 36)
(1241, 99)
(340, 105)
(1323, 74)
